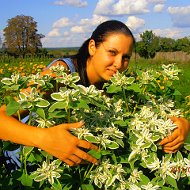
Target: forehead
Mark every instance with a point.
(120, 41)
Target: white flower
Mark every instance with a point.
(135, 176)
(154, 165)
(44, 123)
(134, 187)
(81, 132)
(165, 168)
(47, 171)
(187, 167)
(171, 71)
(150, 186)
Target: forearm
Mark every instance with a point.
(15, 131)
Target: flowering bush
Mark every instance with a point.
(126, 121)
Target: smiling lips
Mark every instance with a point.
(111, 71)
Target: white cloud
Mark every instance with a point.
(53, 33)
(104, 7)
(62, 22)
(94, 21)
(180, 16)
(75, 3)
(121, 7)
(77, 29)
(168, 32)
(130, 7)
(135, 23)
(158, 7)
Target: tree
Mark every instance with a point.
(167, 44)
(21, 36)
(183, 44)
(149, 45)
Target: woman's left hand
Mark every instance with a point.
(173, 142)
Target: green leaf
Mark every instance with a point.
(172, 182)
(134, 87)
(114, 89)
(91, 139)
(87, 187)
(41, 113)
(187, 146)
(26, 180)
(27, 150)
(144, 179)
(82, 104)
(177, 93)
(12, 107)
(112, 145)
(179, 155)
(58, 105)
(120, 123)
(42, 103)
(6, 81)
(57, 97)
(95, 154)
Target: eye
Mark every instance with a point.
(112, 52)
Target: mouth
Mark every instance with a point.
(111, 72)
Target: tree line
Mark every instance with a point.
(21, 39)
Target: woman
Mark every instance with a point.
(107, 51)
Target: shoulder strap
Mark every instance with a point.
(68, 61)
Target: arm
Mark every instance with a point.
(57, 140)
(173, 142)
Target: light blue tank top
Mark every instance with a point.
(68, 61)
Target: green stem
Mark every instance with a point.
(138, 101)
(56, 86)
(88, 171)
(18, 114)
(125, 99)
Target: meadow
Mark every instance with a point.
(126, 150)
(32, 65)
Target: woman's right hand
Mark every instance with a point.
(59, 142)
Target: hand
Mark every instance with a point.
(59, 142)
(173, 142)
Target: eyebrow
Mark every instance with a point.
(124, 56)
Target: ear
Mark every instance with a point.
(91, 47)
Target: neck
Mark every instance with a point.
(92, 78)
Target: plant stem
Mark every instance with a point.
(125, 99)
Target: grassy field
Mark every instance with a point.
(183, 85)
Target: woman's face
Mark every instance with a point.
(110, 56)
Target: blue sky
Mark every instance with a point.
(67, 23)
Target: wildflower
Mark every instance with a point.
(135, 176)
(150, 186)
(47, 171)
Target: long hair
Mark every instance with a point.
(99, 35)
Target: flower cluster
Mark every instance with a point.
(126, 121)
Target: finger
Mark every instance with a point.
(83, 155)
(173, 148)
(69, 126)
(75, 159)
(69, 162)
(174, 118)
(87, 145)
(174, 142)
(169, 138)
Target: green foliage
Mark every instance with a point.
(148, 45)
(126, 123)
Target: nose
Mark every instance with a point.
(118, 62)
